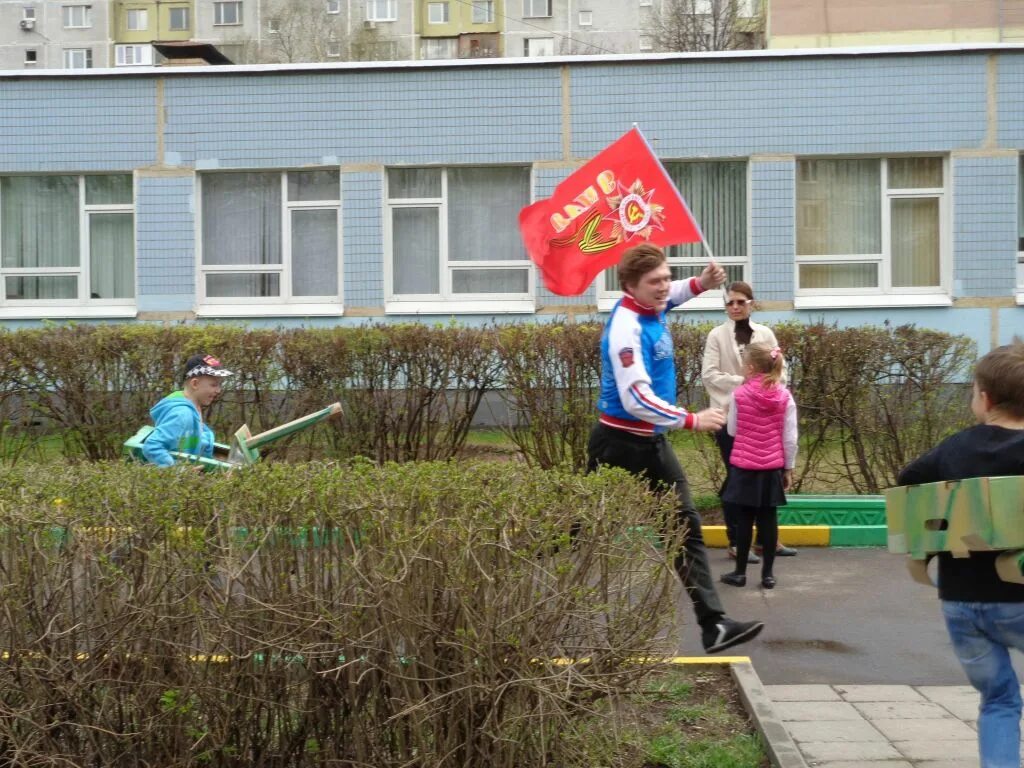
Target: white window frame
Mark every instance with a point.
(530, 9)
(586, 18)
(269, 306)
(140, 15)
(450, 43)
(142, 55)
(31, 62)
(69, 12)
(483, 12)
(526, 47)
(273, 25)
(373, 10)
(83, 306)
(438, 5)
(333, 7)
(333, 48)
(446, 302)
(220, 9)
(708, 300)
(28, 13)
(884, 294)
(70, 54)
(183, 9)
(645, 43)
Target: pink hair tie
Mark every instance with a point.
(775, 352)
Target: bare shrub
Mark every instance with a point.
(309, 615)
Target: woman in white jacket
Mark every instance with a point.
(722, 372)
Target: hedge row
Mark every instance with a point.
(313, 615)
(870, 398)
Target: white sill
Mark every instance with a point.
(857, 301)
(700, 303)
(1020, 297)
(269, 310)
(455, 306)
(55, 312)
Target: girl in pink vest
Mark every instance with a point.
(762, 418)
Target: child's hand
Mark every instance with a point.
(787, 479)
(709, 420)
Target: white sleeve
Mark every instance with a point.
(789, 433)
(717, 382)
(681, 291)
(625, 349)
(730, 419)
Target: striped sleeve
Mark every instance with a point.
(681, 291)
(641, 403)
(633, 381)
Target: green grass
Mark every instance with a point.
(686, 717)
(41, 449)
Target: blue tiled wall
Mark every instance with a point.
(985, 225)
(165, 250)
(772, 234)
(805, 105)
(363, 234)
(77, 124)
(395, 116)
(1010, 101)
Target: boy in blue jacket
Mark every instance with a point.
(179, 416)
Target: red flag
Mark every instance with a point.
(621, 198)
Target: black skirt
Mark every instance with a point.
(754, 488)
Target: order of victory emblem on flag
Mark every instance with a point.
(622, 197)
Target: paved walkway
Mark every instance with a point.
(880, 726)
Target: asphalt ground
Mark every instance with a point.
(838, 616)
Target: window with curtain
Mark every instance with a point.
(381, 10)
(270, 236)
(716, 193)
(67, 239)
(869, 225)
(453, 233)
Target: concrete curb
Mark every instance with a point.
(813, 535)
(782, 750)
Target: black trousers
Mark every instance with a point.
(731, 512)
(652, 458)
(767, 520)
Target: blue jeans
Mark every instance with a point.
(982, 634)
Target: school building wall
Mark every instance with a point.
(769, 109)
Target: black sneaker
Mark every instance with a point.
(727, 633)
(734, 579)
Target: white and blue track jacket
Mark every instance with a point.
(638, 369)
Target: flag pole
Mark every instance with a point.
(707, 248)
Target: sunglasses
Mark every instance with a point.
(738, 302)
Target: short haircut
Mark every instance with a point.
(1000, 375)
(638, 261)
(738, 286)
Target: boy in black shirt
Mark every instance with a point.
(984, 614)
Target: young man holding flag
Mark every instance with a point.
(618, 208)
(638, 386)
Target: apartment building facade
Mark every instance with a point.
(832, 23)
(66, 34)
(50, 35)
